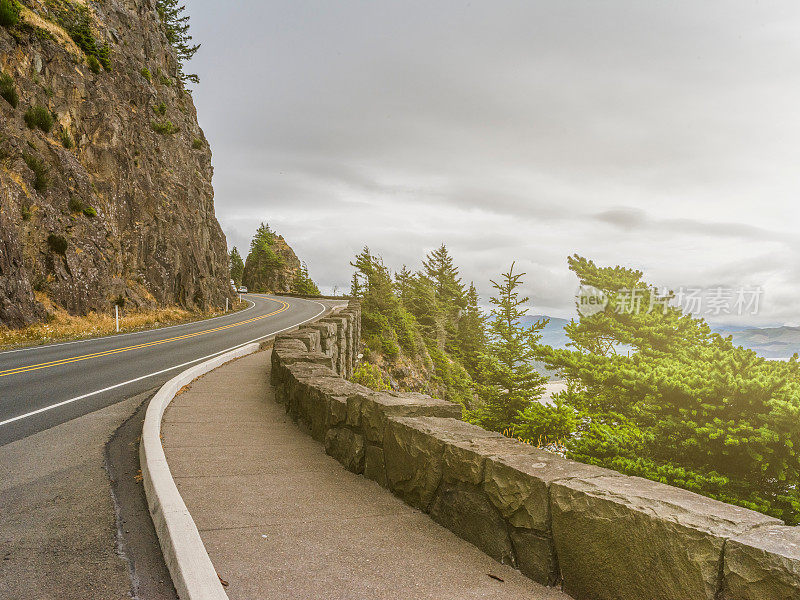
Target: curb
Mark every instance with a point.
(192, 572)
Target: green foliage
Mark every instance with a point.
(382, 313)
(456, 382)
(75, 205)
(160, 109)
(66, 139)
(164, 127)
(176, 28)
(547, 423)
(77, 21)
(403, 319)
(9, 13)
(236, 265)
(90, 211)
(303, 284)
(57, 243)
(25, 212)
(683, 406)
(509, 382)
(8, 91)
(197, 144)
(370, 376)
(263, 261)
(41, 178)
(94, 64)
(147, 75)
(39, 116)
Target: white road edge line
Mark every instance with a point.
(124, 383)
(119, 335)
(192, 571)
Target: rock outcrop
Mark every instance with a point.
(271, 274)
(105, 174)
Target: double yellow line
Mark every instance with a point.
(73, 359)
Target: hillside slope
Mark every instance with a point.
(113, 199)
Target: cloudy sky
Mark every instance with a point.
(659, 135)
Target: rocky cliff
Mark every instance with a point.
(105, 174)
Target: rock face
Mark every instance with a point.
(127, 209)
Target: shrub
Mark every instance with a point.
(90, 211)
(77, 22)
(40, 177)
(94, 64)
(39, 116)
(57, 243)
(25, 211)
(545, 423)
(160, 109)
(66, 139)
(8, 90)
(370, 376)
(75, 205)
(197, 144)
(9, 13)
(164, 127)
(147, 75)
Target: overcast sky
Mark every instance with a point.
(659, 135)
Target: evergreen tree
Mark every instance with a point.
(681, 405)
(471, 337)
(176, 28)
(355, 287)
(509, 382)
(403, 281)
(236, 266)
(386, 325)
(440, 269)
(303, 284)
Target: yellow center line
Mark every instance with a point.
(64, 361)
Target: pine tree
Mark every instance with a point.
(471, 338)
(355, 287)
(439, 268)
(236, 266)
(176, 28)
(303, 284)
(509, 382)
(681, 405)
(403, 281)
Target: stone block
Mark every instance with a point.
(466, 511)
(627, 538)
(535, 555)
(763, 564)
(413, 460)
(517, 481)
(374, 465)
(377, 407)
(347, 447)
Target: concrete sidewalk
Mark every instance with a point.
(281, 519)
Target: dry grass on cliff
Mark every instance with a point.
(61, 326)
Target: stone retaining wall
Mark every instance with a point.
(599, 534)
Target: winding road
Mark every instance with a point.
(44, 386)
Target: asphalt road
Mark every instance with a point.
(44, 386)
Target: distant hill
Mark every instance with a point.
(769, 342)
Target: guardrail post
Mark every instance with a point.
(116, 315)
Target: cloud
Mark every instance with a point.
(660, 136)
